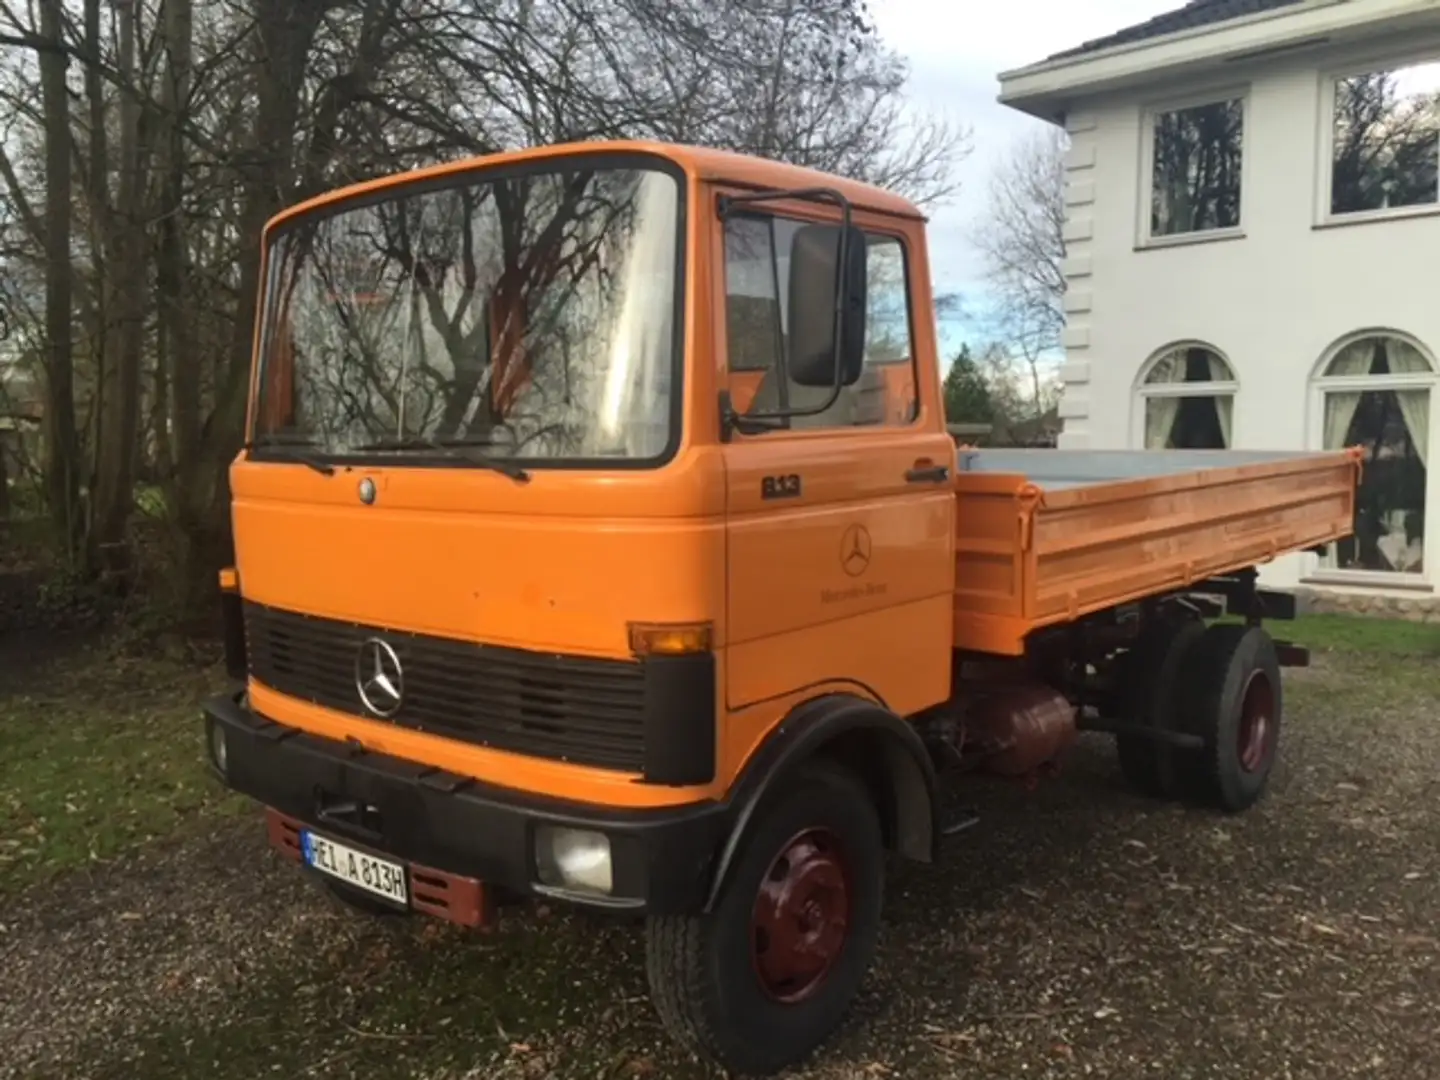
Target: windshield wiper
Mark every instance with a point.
(287, 452)
(450, 448)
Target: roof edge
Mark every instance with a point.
(697, 162)
(1035, 88)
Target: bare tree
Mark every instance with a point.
(1022, 241)
(134, 282)
(62, 466)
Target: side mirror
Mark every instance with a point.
(817, 280)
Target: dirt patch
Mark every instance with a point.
(1078, 931)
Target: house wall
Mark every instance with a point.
(1274, 302)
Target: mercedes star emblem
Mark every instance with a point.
(379, 677)
(855, 550)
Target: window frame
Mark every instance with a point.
(1149, 113)
(1317, 572)
(1143, 392)
(1330, 78)
(872, 228)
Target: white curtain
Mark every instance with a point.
(1160, 411)
(1415, 407)
(1224, 412)
(1340, 405)
(1354, 359)
(1224, 403)
(1170, 368)
(1405, 359)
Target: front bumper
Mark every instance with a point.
(662, 859)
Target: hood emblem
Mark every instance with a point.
(379, 678)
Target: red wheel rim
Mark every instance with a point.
(1256, 731)
(801, 917)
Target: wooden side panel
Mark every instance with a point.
(1026, 559)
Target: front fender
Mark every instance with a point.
(887, 752)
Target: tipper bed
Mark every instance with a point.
(1047, 536)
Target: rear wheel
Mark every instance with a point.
(1234, 702)
(1152, 675)
(766, 977)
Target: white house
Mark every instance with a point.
(1252, 230)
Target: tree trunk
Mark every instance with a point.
(4, 486)
(116, 449)
(286, 33)
(61, 450)
(178, 368)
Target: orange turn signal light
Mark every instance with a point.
(670, 639)
(229, 579)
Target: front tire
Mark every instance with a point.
(767, 976)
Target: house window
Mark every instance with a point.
(1385, 141)
(1195, 166)
(1376, 395)
(1188, 397)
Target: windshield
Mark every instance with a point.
(531, 315)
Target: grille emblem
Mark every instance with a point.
(367, 491)
(379, 678)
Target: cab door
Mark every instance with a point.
(840, 557)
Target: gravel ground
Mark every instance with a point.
(1078, 931)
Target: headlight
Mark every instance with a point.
(574, 859)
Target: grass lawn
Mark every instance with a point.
(101, 753)
(1350, 633)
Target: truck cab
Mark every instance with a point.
(596, 538)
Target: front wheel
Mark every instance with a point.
(767, 976)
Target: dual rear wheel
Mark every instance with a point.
(1219, 689)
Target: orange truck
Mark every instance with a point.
(599, 537)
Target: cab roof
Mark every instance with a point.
(702, 163)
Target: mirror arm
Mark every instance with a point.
(732, 421)
(842, 275)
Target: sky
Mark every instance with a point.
(954, 62)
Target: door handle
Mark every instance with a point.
(925, 473)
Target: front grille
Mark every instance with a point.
(566, 708)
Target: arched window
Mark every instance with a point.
(1187, 394)
(1375, 392)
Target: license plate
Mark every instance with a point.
(380, 877)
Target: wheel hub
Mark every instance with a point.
(801, 917)
(1255, 733)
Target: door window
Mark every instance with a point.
(757, 287)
